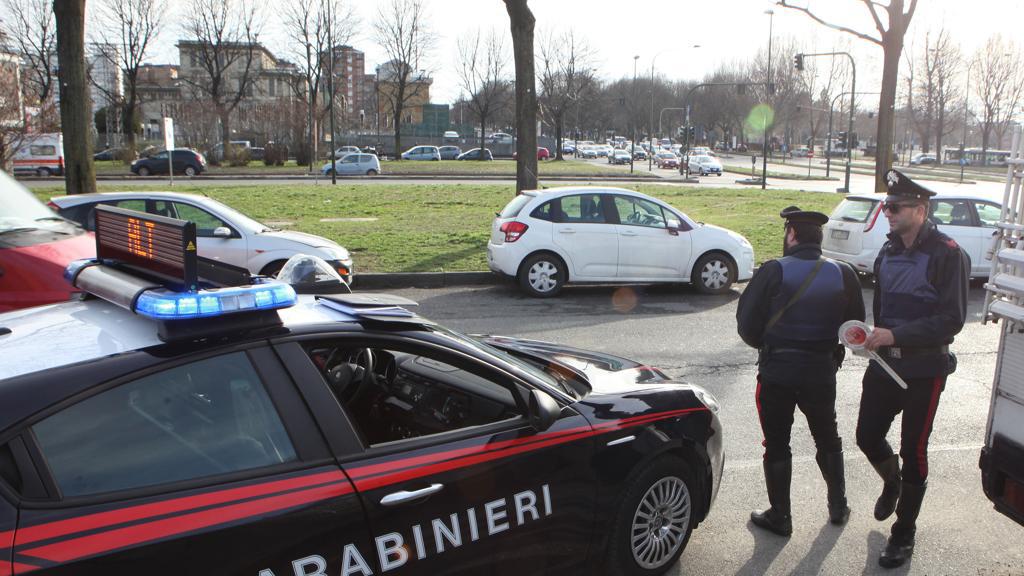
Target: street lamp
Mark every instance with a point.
(632, 120)
(853, 92)
(764, 152)
(963, 137)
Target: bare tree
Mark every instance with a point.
(522, 24)
(306, 22)
(401, 29)
(131, 26)
(1000, 87)
(566, 74)
(890, 38)
(12, 109)
(30, 25)
(483, 76)
(223, 53)
(75, 117)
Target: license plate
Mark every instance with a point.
(840, 234)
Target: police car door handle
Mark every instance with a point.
(628, 233)
(567, 230)
(404, 496)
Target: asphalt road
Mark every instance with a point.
(693, 338)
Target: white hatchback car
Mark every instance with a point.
(548, 238)
(222, 232)
(857, 229)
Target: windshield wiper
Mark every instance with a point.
(850, 219)
(19, 229)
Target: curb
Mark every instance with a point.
(376, 280)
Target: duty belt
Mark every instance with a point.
(773, 350)
(906, 352)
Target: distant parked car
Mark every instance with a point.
(186, 161)
(217, 153)
(350, 164)
(619, 157)
(500, 137)
(222, 232)
(108, 154)
(474, 154)
(568, 147)
(588, 152)
(542, 153)
(703, 164)
(422, 153)
(921, 159)
(639, 153)
(257, 153)
(802, 152)
(450, 152)
(342, 151)
(451, 135)
(42, 155)
(666, 159)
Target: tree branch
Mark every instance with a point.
(818, 19)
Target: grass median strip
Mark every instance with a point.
(431, 227)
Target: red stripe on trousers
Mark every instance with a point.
(760, 416)
(926, 429)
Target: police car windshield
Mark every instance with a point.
(551, 380)
(20, 210)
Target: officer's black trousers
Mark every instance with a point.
(880, 402)
(777, 399)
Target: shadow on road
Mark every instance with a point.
(767, 547)
(876, 543)
(823, 543)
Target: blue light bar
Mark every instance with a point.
(163, 304)
(72, 268)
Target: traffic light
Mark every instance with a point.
(798, 61)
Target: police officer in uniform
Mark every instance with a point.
(920, 303)
(791, 312)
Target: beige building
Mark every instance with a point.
(417, 94)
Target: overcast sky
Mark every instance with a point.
(726, 30)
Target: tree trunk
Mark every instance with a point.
(225, 131)
(483, 129)
(558, 137)
(398, 127)
(522, 23)
(940, 126)
(893, 46)
(79, 172)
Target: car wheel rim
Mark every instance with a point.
(715, 274)
(543, 276)
(660, 523)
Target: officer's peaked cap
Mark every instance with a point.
(794, 215)
(903, 188)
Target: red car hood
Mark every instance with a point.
(34, 275)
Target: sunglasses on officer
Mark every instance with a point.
(895, 207)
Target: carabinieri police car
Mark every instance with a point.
(184, 418)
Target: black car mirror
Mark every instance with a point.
(543, 410)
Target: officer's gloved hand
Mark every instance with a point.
(838, 355)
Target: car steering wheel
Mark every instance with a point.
(352, 377)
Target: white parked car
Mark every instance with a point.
(222, 232)
(353, 164)
(857, 228)
(704, 165)
(548, 238)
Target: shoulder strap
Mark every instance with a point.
(796, 296)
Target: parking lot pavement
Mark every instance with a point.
(692, 337)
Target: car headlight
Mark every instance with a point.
(707, 399)
(334, 252)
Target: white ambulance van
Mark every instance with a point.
(41, 155)
(1002, 457)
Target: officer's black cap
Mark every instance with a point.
(904, 189)
(795, 215)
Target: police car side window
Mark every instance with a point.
(408, 395)
(202, 419)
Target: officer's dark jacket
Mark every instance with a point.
(921, 295)
(767, 292)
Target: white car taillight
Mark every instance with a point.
(513, 230)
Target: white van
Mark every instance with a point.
(41, 154)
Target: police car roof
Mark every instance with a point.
(63, 334)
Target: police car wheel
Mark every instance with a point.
(714, 273)
(542, 275)
(654, 519)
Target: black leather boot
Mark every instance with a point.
(889, 470)
(831, 465)
(901, 542)
(777, 477)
